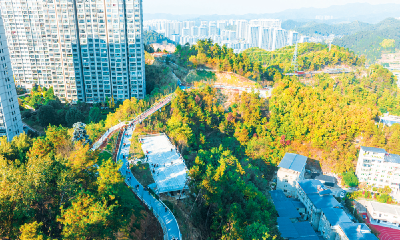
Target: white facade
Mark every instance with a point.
(194, 31)
(242, 29)
(384, 214)
(10, 116)
(291, 170)
(378, 168)
(293, 38)
(253, 36)
(266, 37)
(87, 51)
(279, 38)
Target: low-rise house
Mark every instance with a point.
(315, 197)
(329, 222)
(354, 231)
(383, 214)
(296, 231)
(291, 170)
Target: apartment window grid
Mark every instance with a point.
(79, 47)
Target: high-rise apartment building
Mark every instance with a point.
(194, 31)
(293, 38)
(10, 116)
(212, 30)
(253, 36)
(242, 29)
(87, 50)
(279, 38)
(266, 38)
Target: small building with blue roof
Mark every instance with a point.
(354, 231)
(291, 170)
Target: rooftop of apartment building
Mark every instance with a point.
(296, 231)
(357, 231)
(293, 162)
(393, 158)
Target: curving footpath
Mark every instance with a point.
(160, 210)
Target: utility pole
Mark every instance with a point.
(330, 45)
(294, 61)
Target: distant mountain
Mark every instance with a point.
(363, 12)
(317, 28)
(367, 41)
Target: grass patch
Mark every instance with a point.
(104, 156)
(136, 147)
(201, 76)
(142, 173)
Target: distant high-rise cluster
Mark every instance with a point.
(87, 50)
(237, 34)
(10, 116)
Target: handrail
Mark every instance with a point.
(118, 149)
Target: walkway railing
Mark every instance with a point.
(120, 140)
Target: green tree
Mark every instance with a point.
(73, 115)
(46, 115)
(350, 179)
(94, 115)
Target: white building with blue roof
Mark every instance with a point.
(354, 231)
(315, 197)
(378, 168)
(291, 170)
(329, 222)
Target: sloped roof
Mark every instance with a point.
(278, 195)
(311, 186)
(304, 229)
(293, 162)
(326, 201)
(393, 158)
(335, 215)
(372, 149)
(286, 209)
(326, 178)
(286, 228)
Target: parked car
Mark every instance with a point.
(342, 194)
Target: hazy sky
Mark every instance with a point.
(205, 7)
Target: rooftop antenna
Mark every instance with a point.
(294, 61)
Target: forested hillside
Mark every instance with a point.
(368, 42)
(261, 65)
(324, 29)
(154, 37)
(52, 189)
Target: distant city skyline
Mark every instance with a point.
(225, 7)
